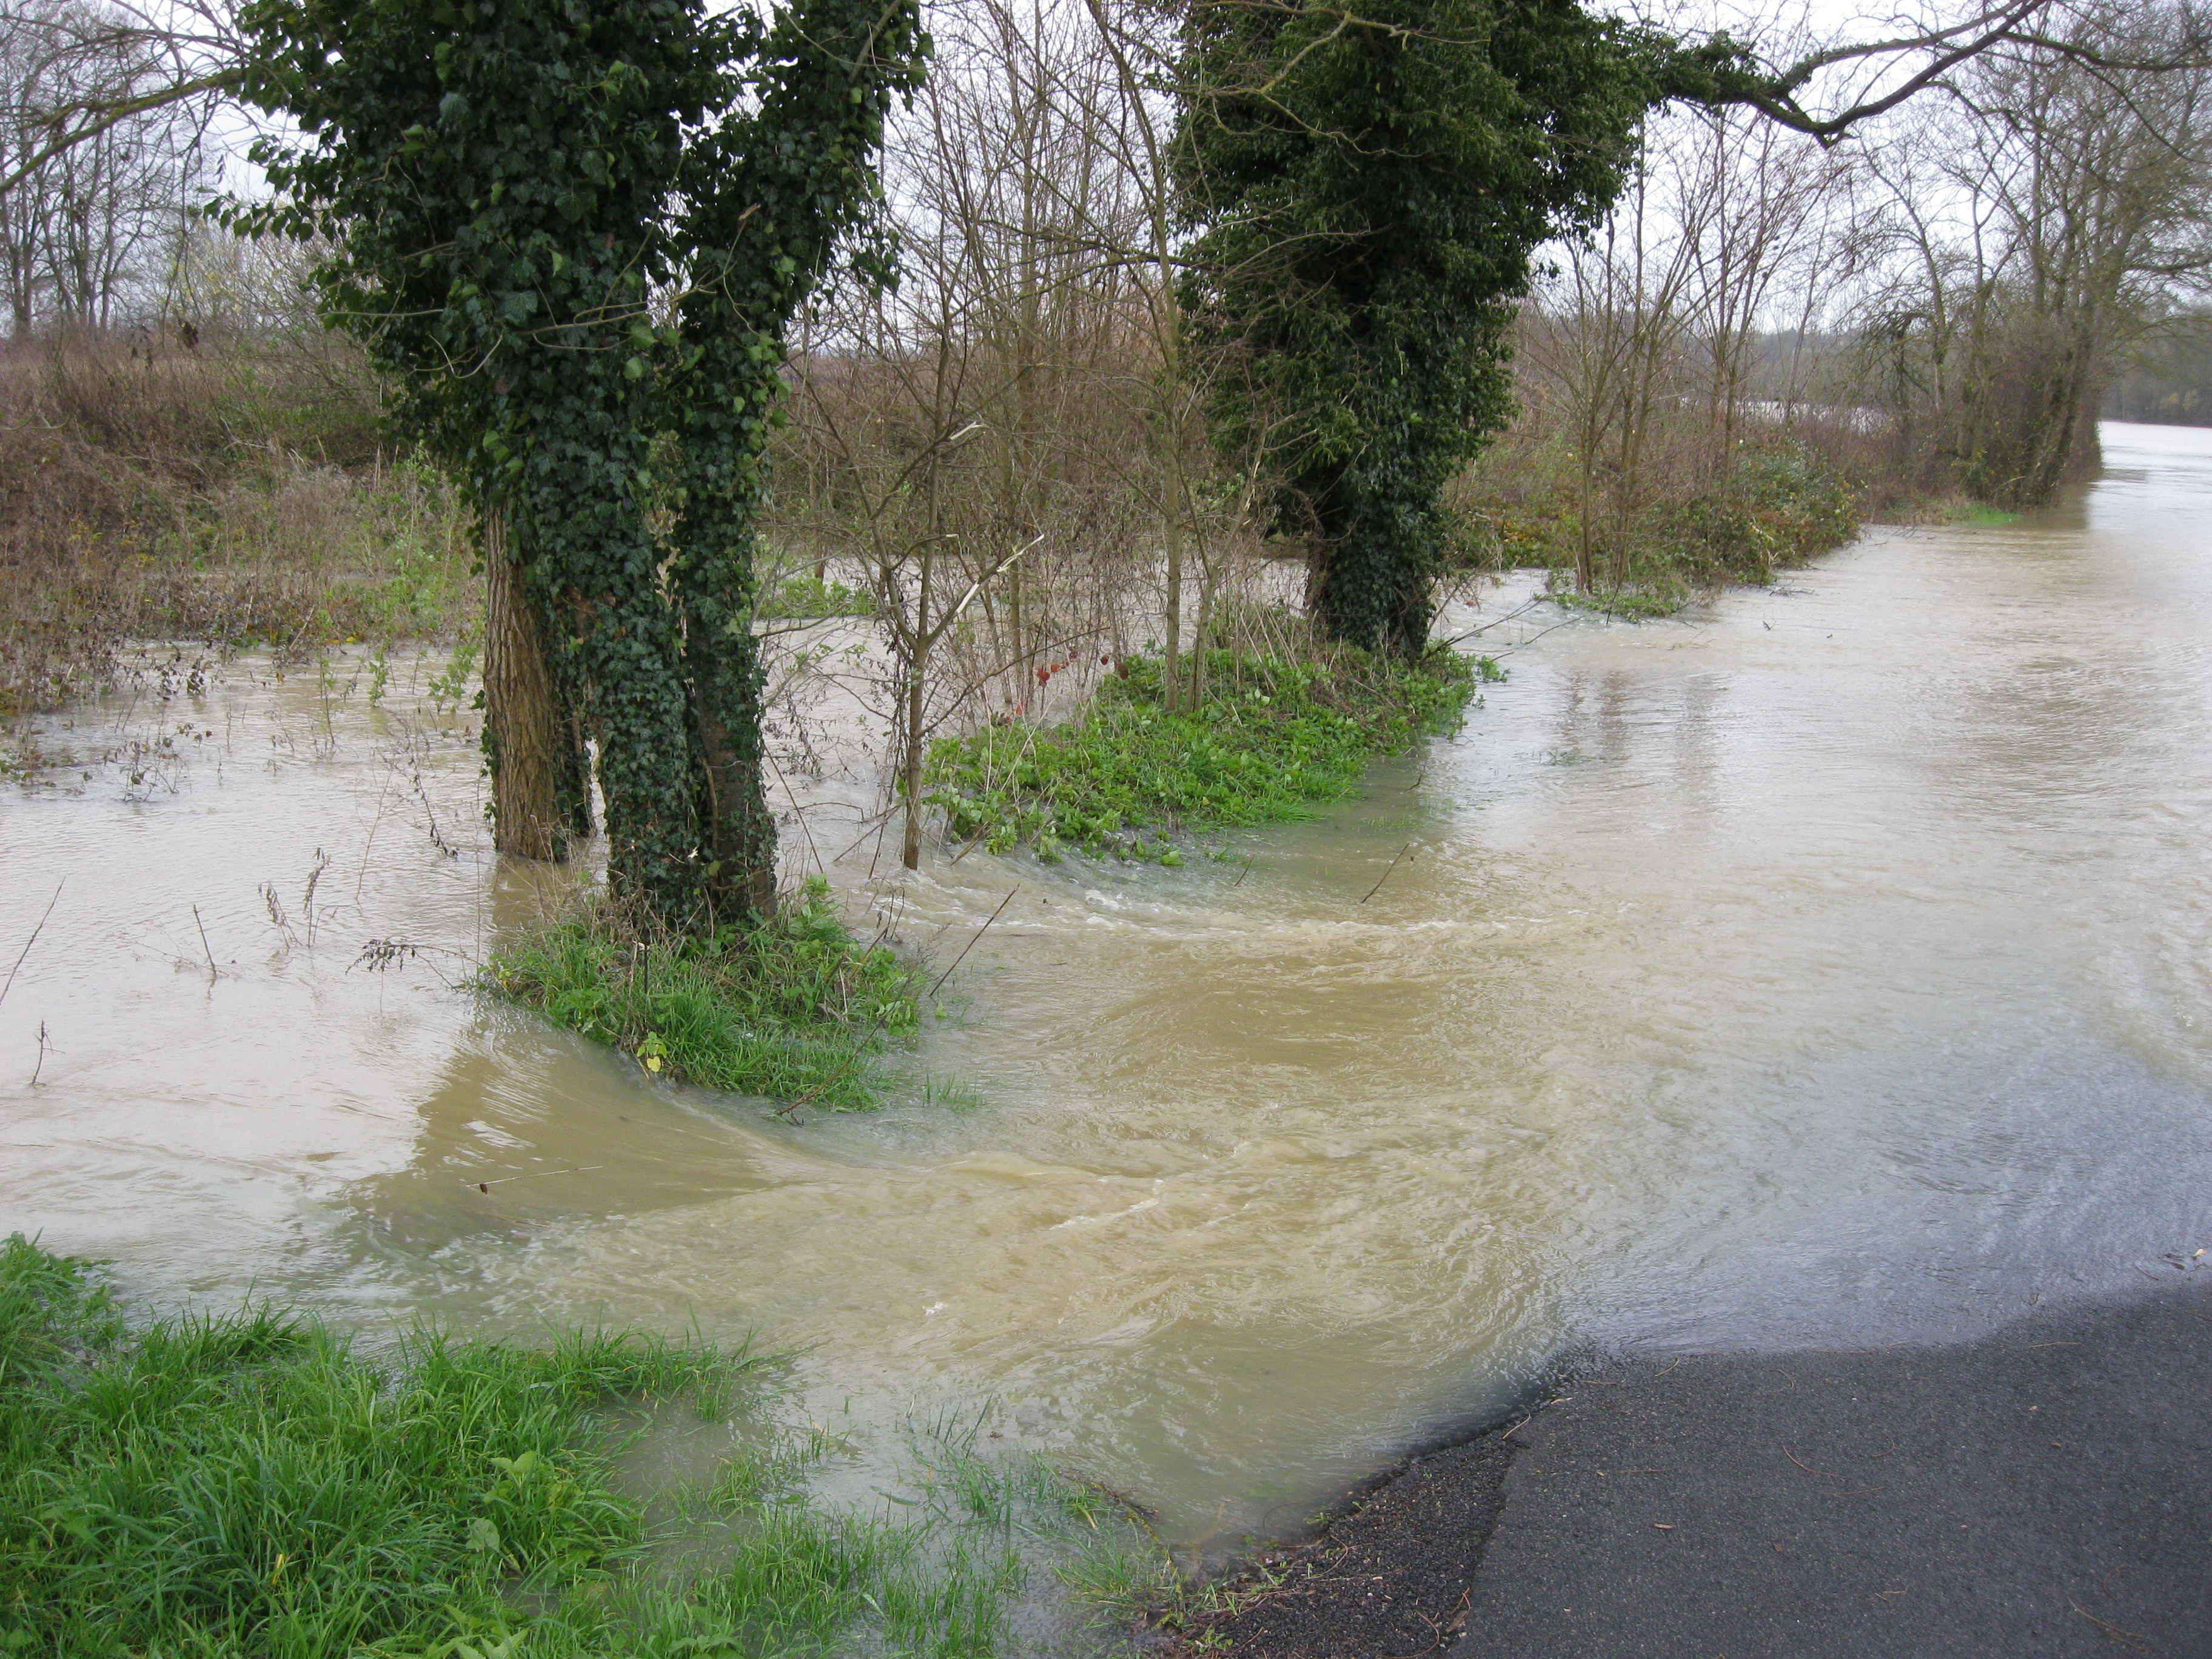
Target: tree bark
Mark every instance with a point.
(915, 711)
(524, 735)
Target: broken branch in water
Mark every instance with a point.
(1385, 876)
(196, 922)
(980, 931)
(380, 954)
(33, 939)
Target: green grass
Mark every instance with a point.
(244, 1486)
(1649, 602)
(1276, 736)
(796, 1008)
(244, 1483)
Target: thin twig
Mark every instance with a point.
(972, 840)
(2124, 1638)
(980, 931)
(1807, 1467)
(1385, 876)
(872, 824)
(201, 925)
(500, 1181)
(33, 939)
(798, 811)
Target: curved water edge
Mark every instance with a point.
(1826, 965)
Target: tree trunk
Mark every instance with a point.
(916, 709)
(1169, 682)
(523, 736)
(739, 828)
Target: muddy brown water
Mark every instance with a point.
(1829, 965)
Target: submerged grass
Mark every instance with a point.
(244, 1483)
(1277, 735)
(244, 1486)
(795, 1008)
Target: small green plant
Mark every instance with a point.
(1658, 597)
(948, 1093)
(1276, 735)
(813, 598)
(449, 687)
(794, 1007)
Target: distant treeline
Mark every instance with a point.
(2169, 384)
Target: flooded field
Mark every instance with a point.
(1826, 965)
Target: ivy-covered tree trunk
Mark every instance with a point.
(1379, 519)
(573, 233)
(722, 666)
(588, 483)
(764, 216)
(1367, 185)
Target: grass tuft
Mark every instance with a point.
(1276, 736)
(811, 598)
(795, 1008)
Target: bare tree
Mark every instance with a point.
(1008, 450)
(2062, 209)
(65, 55)
(86, 233)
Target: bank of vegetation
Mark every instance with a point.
(1267, 740)
(1762, 343)
(793, 1005)
(251, 1484)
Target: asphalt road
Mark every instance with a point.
(2043, 1491)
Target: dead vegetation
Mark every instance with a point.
(225, 490)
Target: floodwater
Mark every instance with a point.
(1829, 966)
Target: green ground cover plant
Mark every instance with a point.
(1275, 736)
(794, 1006)
(245, 1485)
(811, 598)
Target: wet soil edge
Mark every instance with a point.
(1387, 1576)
